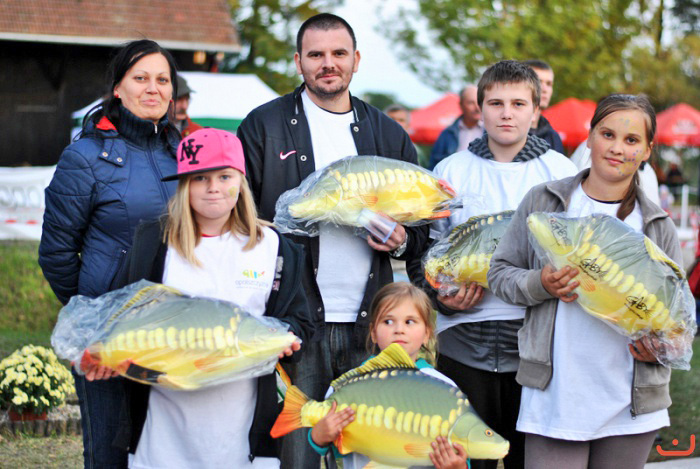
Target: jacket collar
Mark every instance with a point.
(564, 188)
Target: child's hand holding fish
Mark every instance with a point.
(446, 456)
(327, 430)
(556, 282)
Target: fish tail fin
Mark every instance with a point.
(283, 375)
(290, 418)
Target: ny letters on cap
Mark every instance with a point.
(208, 150)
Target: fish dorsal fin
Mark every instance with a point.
(658, 255)
(147, 293)
(394, 356)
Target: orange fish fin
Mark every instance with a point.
(433, 281)
(290, 417)
(284, 377)
(208, 363)
(418, 450)
(88, 360)
(587, 284)
(369, 200)
(123, 367)
(441, 214)
(447, 187)
(339, 445)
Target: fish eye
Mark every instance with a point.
(488, 432)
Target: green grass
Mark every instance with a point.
(26, 300)
(48, 452)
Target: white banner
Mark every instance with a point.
(22, 201)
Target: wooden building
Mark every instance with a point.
(54, 56)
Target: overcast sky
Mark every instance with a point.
(379, 68)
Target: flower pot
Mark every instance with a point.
(25, 416)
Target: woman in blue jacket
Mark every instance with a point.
(105, 184)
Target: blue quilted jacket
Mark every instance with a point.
(105, 184)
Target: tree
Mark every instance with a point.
(583, 41)
(688, 13)
(267, 30)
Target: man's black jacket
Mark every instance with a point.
(279, 155)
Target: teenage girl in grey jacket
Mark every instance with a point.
(559, 394)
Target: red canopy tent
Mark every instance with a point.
(571, 118)
(428, 122)
(678, 125)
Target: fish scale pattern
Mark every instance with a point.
(338, 193)
(624, 280)
(399, 411)
(156, 335)
(463, 254)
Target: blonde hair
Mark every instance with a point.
(391, 295)
(183, 234)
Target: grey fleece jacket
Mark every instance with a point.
(514, 276)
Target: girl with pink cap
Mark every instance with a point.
(213, 244)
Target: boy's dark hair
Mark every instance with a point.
(325, 22)
(538, 64)
(509, 71)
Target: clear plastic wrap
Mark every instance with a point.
(463, 255)
(625, 280)
(156, 335)
(336, 194)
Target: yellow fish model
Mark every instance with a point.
(399, 411)
(625, 279)
(337, 193)
(156, 335)
(464, 255)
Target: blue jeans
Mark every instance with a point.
(101, 404)
(321, 362)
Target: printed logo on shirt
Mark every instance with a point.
(253, 274)
(253, 279)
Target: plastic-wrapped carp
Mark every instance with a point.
(463, 255)
(625, 279)
(156, 335)
(399, 411)
(337, 194)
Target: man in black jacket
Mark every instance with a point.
(287, 139)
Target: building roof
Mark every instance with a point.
(175, 24)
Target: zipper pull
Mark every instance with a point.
(155, 131)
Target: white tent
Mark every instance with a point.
(219, 100)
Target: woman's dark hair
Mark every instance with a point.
(627, 102)
(125, 58)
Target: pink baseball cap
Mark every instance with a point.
(208, 150)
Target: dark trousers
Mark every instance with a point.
(101, 404)
(496, 398)
(322, 362)
(613, 452)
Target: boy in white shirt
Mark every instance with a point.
(477, 331)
